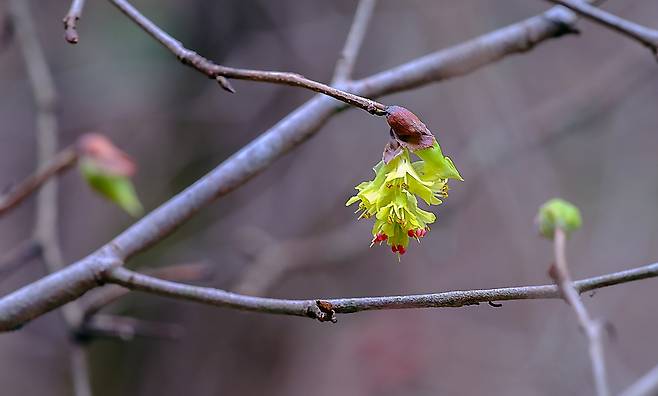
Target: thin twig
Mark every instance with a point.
(188, 272)
(646, 36)
(647, 385)
(315, 308)
(61, 162)
(592, 329)
(345, 63)
(214, 70)
(70, 283)
(71, 20)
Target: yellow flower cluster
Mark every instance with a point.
(392, 197)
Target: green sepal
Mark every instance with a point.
(436, 164)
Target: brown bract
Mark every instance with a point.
(407, 129)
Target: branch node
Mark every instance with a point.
(322, 311)
(225, 83)
(563, 26)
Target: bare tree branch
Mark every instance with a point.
(56, 165)
(345, 64)
(214, 70)
(189, 272)
(324, 309)
(70, 283)
(645, 386)
(71, 19)
(592, 329)
(645, 36)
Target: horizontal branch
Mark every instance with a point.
(645, 36)
(325, 309)
(188, 272)
(17, 194)
(68, 284)
(213, 70)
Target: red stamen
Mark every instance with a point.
(401, 250)
(394, 249)
(412, 233)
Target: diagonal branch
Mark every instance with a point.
(592, 329)
(71, 20)
(647, 385)
(215, 71)
(50, 168)
(645, 36)
(70, 283)
(325, 310)
(355, 37)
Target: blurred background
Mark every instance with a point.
(575, 117)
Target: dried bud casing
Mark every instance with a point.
(407, 129)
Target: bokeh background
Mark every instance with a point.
(575, 117)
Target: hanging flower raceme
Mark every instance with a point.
(392, 197)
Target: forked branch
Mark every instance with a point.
(71, 282)
(215, 71)
(646, 36)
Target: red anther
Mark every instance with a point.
(421, 232)
(412, 233)
(381, 237)
(401, 250)
(394, 249)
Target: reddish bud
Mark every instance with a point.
(401, 250)
(106, 155)
(394, 249)
(421, 232)
(412, 233)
